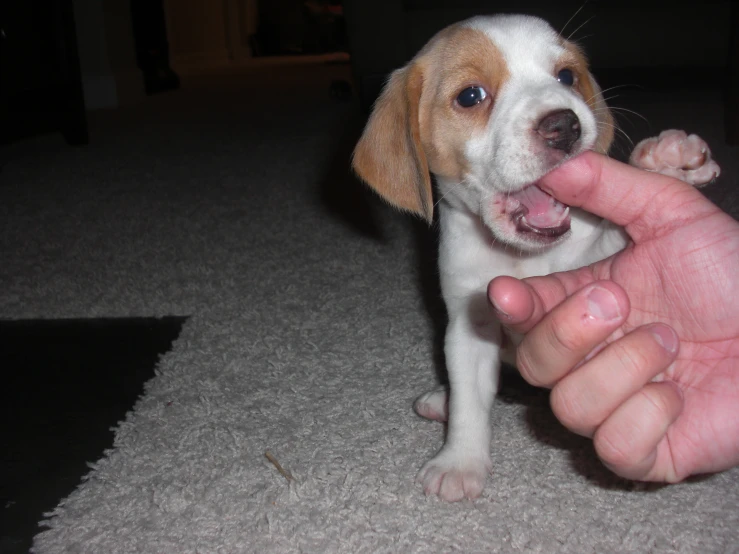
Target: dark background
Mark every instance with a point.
(48, 72)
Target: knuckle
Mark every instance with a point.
(658, 404)
(614, 449)
(631, 360)
(527, 366)
(540, 358)
(564, 338)
(568, 410)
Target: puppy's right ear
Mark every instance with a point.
(389, 156)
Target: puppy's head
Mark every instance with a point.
(489, 106)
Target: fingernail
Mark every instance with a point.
(603, 304)
(499, 311)
(666, 337)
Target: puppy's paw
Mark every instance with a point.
(677, 154)
(433, 404)
(455, 474)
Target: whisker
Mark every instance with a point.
(580, 27)
(603, 92)
(634, 85)
(631, 112)
(452, 189)
(609, 89)
(574, 15)
(601, 110)
(615, 126)
(618, 129)
(607, 98)
(625, 134)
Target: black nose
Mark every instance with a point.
(560, 130)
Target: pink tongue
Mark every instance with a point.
(543, 210)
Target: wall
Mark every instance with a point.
(209, 33)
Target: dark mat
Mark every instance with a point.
(65, 384)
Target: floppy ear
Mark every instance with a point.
(603, 116)
(389, 156)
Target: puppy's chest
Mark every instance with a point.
(522, 265)
(530, 267)
(470, 268)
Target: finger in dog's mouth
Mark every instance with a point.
(538, 213)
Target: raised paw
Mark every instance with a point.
(455, 474)
(433, 404)
(677, 154)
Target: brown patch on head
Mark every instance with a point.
(418, 127)
(585, 85)
(464, 57)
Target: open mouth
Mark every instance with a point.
(533, 211)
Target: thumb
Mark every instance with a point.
(647, 204)
(522, 304)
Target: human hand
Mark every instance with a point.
(641, 350)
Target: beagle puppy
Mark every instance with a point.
(488, 107)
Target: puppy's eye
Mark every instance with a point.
(471, 96)
(566, 77)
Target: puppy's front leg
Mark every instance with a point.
(472, 354)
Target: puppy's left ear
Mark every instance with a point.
(603, 116)
(389, 156)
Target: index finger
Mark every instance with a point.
(647, 204)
